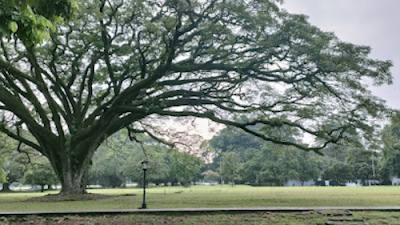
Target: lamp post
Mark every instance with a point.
(144, 167)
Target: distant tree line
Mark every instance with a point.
(263, 163)
(119, 160)
(239, 158)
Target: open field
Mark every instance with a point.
(213, 196)
(276, 218)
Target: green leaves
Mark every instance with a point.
(230, 165)
(40, 173)
(33, 21)
(184, 167)
(6, 149)
(339, 173)
(13, 26)
(391, 148)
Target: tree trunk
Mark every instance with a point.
(186, 183)
(71, 157)
(71, 171)
(6, 187)
(72, 182)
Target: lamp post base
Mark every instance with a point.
(144, 206)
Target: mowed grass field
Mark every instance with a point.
(212, 196)
(220, 218)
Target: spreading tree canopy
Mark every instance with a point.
(123, 64)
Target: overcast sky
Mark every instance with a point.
(375, 23)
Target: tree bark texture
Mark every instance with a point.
(6, 187)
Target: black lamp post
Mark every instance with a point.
(144, 167)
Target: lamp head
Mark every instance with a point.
(144, 164)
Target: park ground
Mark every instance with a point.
(256, 218)
(207, 197)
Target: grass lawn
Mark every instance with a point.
(276, 218)
(213, 196)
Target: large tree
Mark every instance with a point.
(122, 64)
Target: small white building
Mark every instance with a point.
(297, 182)
(395, 181)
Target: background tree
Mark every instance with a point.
(158, 164)
(360, 160)
(108, 164)
(5, 150)
(13, 162)
(184, 167)
(390, 161)
(230, 166)
(275, 165)
(338, 173)
(335, 152)
(107, 168)
(280, 164)
(2, 172)
(16, 167)
(40, 173)
(383, 172)
(232, 139)
(125, 65)
(310, 166)
(119, 160)
(252, 166)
